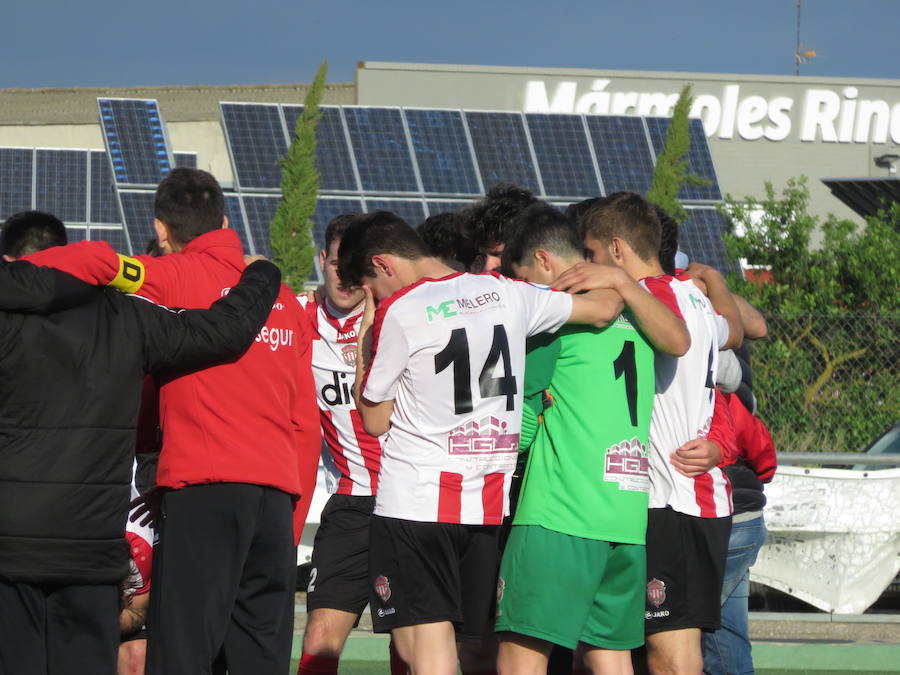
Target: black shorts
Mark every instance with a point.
(429, 572)
(339, 574)
(139, 634)
(685, 567)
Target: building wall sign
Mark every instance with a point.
(819, 115)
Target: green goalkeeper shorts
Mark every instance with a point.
(566, 589)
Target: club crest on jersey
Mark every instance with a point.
(501, 586)
(656, 592)
(383, 588)
(348, 352)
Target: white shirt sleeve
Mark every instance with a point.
(546, 310)
(390, 356)
(722, 331)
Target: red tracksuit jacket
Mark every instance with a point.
(254, 420)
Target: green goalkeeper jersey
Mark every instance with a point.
(589, 392)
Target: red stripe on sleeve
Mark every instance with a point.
(369, 447)
(142, 555)
(659, 287)
(703, 494)
(330, 433)
(728, 492)
(450, 498)
(492, 498)
(722, 430)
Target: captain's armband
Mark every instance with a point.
(131, 275)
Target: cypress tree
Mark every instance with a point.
(671, 166)
(290, 234)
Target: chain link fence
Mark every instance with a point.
(827, 383)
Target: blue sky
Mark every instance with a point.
(60, 43)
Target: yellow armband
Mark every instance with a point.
(130, 276)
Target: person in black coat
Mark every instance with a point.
(70, 386)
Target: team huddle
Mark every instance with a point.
(520, 426)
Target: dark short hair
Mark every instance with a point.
(668, 242)
(337, 226)
(373, 234)
(577, 211)
(541, 226)
(628, 216)
(190, 202)
(485, 223)
(26, 232)
(443, 235)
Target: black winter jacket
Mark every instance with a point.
(70, 386)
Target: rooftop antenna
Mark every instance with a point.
(802, 54)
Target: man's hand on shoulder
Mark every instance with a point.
(586, 276)
(250, 259)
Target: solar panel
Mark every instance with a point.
(563, 154)
(116, 238)
(104, 206)
(186, 160)
(381, 150)
(260, 210)
(700, 236)
(412, 211)
(256, 141)
(236, 221)
(326, 209)
(137, 212)
(135, 140)
(622, 151)
(60, 185)
(698, 157)
(333, 160)
(442, 151)
(16, 166)
(74, 234)
(447, 206)
(501, 149)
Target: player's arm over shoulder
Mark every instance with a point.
(97, 263)
(598, 307)
(660, 320)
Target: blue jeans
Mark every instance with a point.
(727, 651)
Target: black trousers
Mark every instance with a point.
(223, 579)
(50, 629)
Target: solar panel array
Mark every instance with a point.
(700, 236)
(417, 162)
(135, 138)
(74, 185)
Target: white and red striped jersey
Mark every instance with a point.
(684, 403)
(450, 353)
(352, 458)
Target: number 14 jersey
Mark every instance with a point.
(450, 353)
